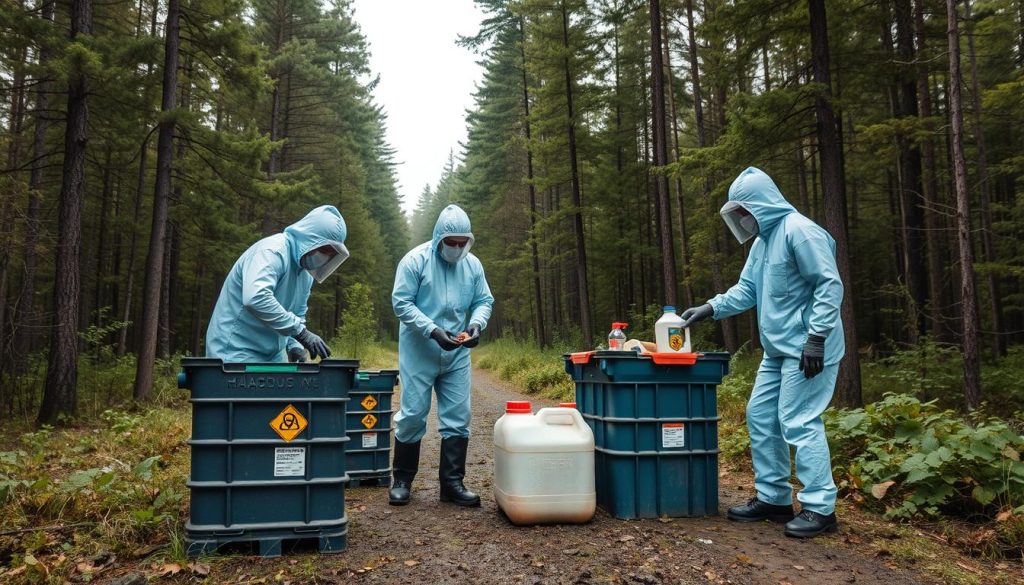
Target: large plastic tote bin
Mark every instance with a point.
(369, 428)
(268, 453)
(655, 430)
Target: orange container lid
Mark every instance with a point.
(674, 359)
(566, 405)
(581, 357)
(518, 407)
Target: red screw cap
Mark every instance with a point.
(619, 325)
(518, 407)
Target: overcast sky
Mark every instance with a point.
(426, 81)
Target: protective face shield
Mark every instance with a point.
(454, 248)
(321, 263)
(741, 222)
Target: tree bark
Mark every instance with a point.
(968, 291)
(670, 283)
(911, 198)
(987, 246)
(848, 384)
(577, 199)
(154, 262)
(930, 189)
(684, 246)
(17, 117)
(59, 394)
(24, 339)
(538, 301)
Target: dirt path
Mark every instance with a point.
(429, 542)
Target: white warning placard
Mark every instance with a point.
(289, 461)
(369, 440)
(673, 435)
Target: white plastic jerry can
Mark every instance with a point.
(670, 334)
(544, 465)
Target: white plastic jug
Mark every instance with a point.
(670, 334)
(544, 465)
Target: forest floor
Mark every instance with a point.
(432, 542)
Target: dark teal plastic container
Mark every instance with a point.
(655, 432)
(247, 483)
(369, 427)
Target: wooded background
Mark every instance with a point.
(147, 144)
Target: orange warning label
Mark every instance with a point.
(289, 423)
(368, 421)
(369, 402)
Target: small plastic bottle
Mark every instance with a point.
(617, 339)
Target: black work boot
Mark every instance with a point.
(808, 524)
(407, 461)
(755, 511)
(453, 471)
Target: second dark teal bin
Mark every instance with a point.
(369, 427)
(655, 431)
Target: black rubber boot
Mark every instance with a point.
(809, 524)
(755, 511)
(407, 461)
(453, 471)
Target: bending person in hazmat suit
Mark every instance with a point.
(261, 312)
(792, 278)
(440, 290)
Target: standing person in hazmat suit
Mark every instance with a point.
(440, 290)
(792, 278)
(260, 315)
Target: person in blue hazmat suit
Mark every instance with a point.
(440, 291)
(260, 315)
(791, 277)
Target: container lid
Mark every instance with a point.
(619, 325)
(669, 309)
(566, 405)
(518, 407)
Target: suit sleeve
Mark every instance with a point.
(741, 297)
(403, 298)
(259, 280)
(483, 300)
(816, 262)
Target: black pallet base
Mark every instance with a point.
(369, 481)
(266, 544)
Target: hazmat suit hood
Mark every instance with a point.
(754, 191)
(452, 222)
(322, 226)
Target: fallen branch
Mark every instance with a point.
(56, 527)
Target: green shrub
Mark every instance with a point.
(534, 370)
(359, 327)
(912, 458)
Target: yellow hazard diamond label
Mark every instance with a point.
(289, 423)
(368, 421)
(369, 402)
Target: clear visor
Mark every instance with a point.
(341, 254)
(464, 250)
(735, 216)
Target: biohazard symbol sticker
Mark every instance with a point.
(368, 421)
(289, 423)
(369, 402)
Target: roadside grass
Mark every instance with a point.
(530, 368)
(106, 491)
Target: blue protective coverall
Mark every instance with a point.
(263, 300)
(792, 278)
(431, 292)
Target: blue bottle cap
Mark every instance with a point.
(669, 309)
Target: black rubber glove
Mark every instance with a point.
(812, 359)
(313, 344)
(296, 354)
(474, 337)
(445, 339)
(697, 314)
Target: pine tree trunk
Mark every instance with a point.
(577, 199)
(972, 367)
(101, 248)
(16, 116)
(669, 281)
(24, 340)
(987, 247)
(161, 195)
(126, 313)
(930, 190)
(684, 246)
(910, 175)
(59, 394)
(538, 301)
(848, 383)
